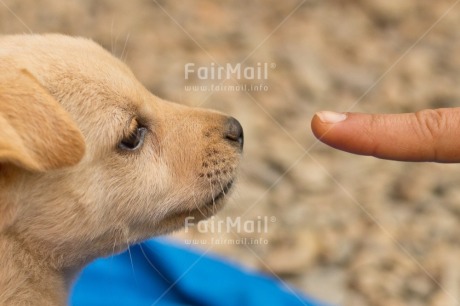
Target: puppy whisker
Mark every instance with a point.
(111, 36)
(153, 266)
(131, 259)
(124, 48)
(192, 187)
(115, 242)
(214, 206)
(197, 206)
(221, 186)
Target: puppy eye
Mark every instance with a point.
(134, 141)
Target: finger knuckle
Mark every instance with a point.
(430, 124)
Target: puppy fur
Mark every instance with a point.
(69, 193)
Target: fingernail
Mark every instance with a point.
(331, 117)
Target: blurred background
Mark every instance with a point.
(346, 229)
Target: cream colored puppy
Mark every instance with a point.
(91, 162)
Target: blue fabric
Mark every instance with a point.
(161, 274)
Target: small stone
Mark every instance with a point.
(293, 255)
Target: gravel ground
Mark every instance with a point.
(347, 229)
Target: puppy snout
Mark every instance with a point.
(234, 132)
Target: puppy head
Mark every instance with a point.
(148, 163)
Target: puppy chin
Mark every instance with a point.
(177, 220)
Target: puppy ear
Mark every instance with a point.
(36, 133)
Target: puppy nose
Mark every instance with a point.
(234, 132)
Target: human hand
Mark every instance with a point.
(428, 135)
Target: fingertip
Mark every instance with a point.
(316, 126)
(329, 117)
(323, 121)
(343, 131)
